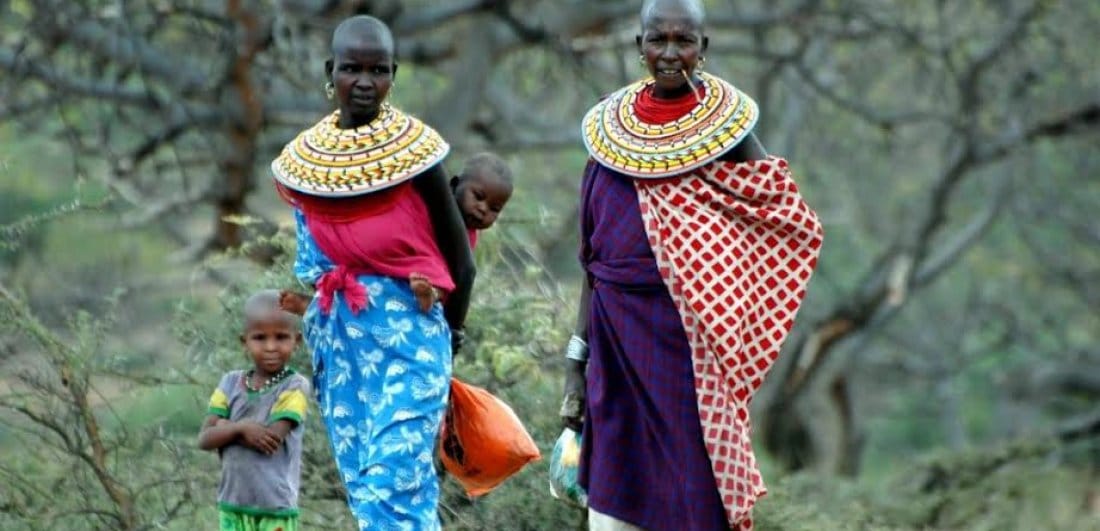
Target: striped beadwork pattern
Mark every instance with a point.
(616, 138)
(325, 160)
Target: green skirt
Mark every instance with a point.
(231, 521)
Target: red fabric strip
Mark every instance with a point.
(341, 278)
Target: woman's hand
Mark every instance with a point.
(458, 338)
(573, 397)
(258, 437)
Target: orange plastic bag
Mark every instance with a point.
(482, 441)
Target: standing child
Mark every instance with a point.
(481, 191)
(255, 422)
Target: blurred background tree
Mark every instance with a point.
(944, 372)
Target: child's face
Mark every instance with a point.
(481, 198)
(270, 339)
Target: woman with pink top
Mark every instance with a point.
(373, 206)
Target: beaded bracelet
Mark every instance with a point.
(577, 350)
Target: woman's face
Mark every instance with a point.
(362, 74)
(671, 46)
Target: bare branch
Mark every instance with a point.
(169, 133)
(945, 255)
(798, 10)
(1085, 118)
(1081, 427)
(886, 119)
(1012, 33)
(13, 110)
(63, 84)
(409, 22)
(179, 71)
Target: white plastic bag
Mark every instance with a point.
(564, 464)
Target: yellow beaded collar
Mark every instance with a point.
(325, 160)
(618, 139)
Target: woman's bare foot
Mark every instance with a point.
(293, 302)
(423, 290)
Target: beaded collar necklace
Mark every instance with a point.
(327, 161)
(618, 139)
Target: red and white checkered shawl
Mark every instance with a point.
(736, 245)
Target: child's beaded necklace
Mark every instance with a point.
(274, 380)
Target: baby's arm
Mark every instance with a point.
(293, 302)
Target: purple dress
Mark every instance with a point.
(643, 460)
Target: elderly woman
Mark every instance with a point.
(373, 207)
(698, 249)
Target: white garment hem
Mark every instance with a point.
(598, 521)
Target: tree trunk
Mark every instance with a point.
(242, 130)
(850, 452)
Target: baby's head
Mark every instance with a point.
(270, 334)
(482, 190)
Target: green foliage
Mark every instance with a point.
(175, 410)
(1014, 487)
(104, 298)
(29, 203)
(71, 464)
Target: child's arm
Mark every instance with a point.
(281, 428)
(290, 409)
(216, 435)
(217, 432)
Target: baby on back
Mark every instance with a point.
(481, 191)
